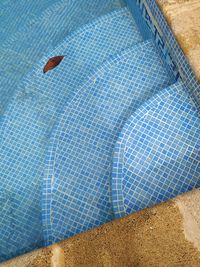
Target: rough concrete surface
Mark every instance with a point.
(159, 236)
(183, 16)
(190, 210)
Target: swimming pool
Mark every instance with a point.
(114, 128)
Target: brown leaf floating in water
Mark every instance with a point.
(52, 63)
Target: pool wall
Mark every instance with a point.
(167, 43)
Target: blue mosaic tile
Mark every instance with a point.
(32, 113)
(86, 105)
(78, 165)
(18, 14)
(36, 36)
(167, 44)
(157, 153)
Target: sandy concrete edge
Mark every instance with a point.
(164, 235)
(183, 17)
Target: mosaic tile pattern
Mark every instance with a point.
(167, 43)
(157, 153)
(30, 117)
(141, 23)
(19, 14)
(79, 160)
(104, 92)
(42, 34)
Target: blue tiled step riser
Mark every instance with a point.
(78, 166)
(156, 156)
(31, 115)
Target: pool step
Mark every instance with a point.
(35, 108)
(42, 34)
(16, 15)
(77, 194)
(157, 153)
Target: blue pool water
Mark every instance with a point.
(108, 132)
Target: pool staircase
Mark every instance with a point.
(107, 132)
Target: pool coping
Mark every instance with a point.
(187, 30)
(164, 235)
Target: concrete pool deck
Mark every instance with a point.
(165, 235)
(183, 16)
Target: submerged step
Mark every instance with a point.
(19, 14)
(42, 34)
(157, 153)
(77, 194)
(30, 117)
